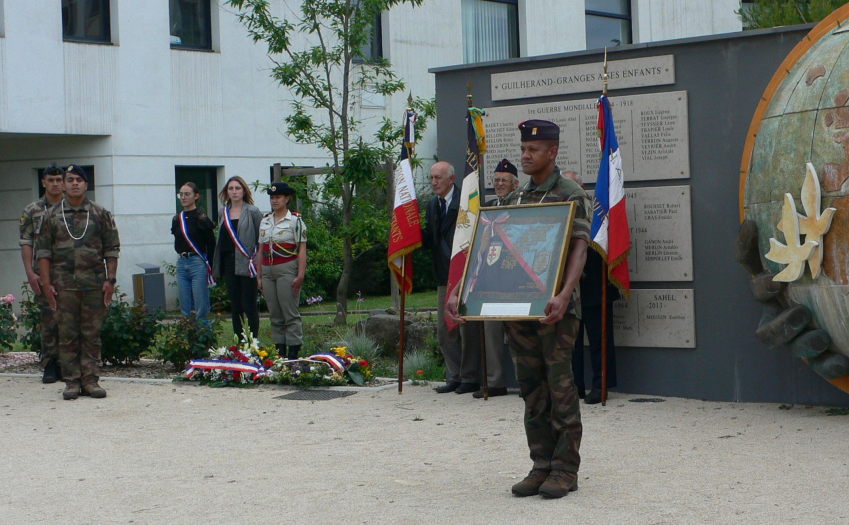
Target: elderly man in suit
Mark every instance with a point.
(461, 347)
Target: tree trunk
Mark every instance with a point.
(347, 263)
(390, 203)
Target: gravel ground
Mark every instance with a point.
(167, 453)
(27, 363)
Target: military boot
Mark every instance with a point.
(72, 391)
(531, 484)
(294, 350)
(558, 484)
(51, 371)
(94, 390)
(281, 350)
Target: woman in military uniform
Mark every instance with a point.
(283, 258)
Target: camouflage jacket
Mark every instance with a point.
(32, 220)
(78, 264)
(557, 188)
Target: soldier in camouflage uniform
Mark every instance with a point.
(77, 237)
(32, 220)
(542, 350)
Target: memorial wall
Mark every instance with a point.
(682, 110)
(653, 134)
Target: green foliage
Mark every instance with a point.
(774, 13)
(129, 330)
(8, 325)
(423, 366)
(31, 320)
(187, 339)
(313, 51)
(362, 346)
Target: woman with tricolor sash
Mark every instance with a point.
(238, 237)
(283, 254)
(194, 241)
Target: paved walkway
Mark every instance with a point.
(163, 453)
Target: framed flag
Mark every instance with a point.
(517, 260)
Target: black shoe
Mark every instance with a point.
(450, 386)
(593, 398)
(281, 351)
(494, 391)
(51, 371)
(466, 388)
(582, 393)
(294, 350)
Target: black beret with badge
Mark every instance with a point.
(505, 166)
(539, 130)
(77, 170)
(280, 188)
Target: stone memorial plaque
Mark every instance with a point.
(661, 233)
(655, 319)
(583, 78)
(652, 131)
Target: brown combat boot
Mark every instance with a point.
(94, 390)
(558, 484)
(531, 484)
(72, 391)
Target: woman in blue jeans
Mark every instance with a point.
(194, 241)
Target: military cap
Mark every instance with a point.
(539, 130)
(505, 166)
(280, 188)
(54, 169)
(77, 170)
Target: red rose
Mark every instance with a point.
(420, 371)
(234, 348)
(243, 359)
(236, 376)
(363, 363)
(268, 363)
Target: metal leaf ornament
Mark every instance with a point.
(814, 225)
(793, 254)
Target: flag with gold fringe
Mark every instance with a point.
(406, 233)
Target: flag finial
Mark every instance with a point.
(605, 77)
(410, 100)
(469, 96)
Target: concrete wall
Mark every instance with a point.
(724, 78)
(656, 20)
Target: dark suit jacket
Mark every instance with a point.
(438, 234)
(591, 282)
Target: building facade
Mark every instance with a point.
(149, 95)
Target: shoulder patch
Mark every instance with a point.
(23, 219)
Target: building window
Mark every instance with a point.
(373, 49)
(191, 24)
(490, 30)
(206, 177)
(86, 21)
(89, 170)
(2, 26)
(608, 23)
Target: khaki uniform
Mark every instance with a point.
(32, 221)
(279, 247)
(543, 353)
(77, 272)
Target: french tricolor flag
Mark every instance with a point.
(610, 232)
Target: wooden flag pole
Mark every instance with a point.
(403, 292)
(604, 312)
(482, 333)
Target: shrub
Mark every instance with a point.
(187, 339)
(424, 361)
(31, 320)
(128, 331)
(8, 322)
(362, 346)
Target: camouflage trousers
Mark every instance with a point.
(49, 332)
(79, 317)
(543, 358)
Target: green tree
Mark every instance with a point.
(314, 53)
(773, 13)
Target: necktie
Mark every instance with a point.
(442, 209)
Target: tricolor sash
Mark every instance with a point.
(239, 246)
(184, 228)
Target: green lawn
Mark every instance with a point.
(416, 300)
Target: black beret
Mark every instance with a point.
(77, 170)
(280, 188)
(539, 130)
(505, 166)
(54, 169)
